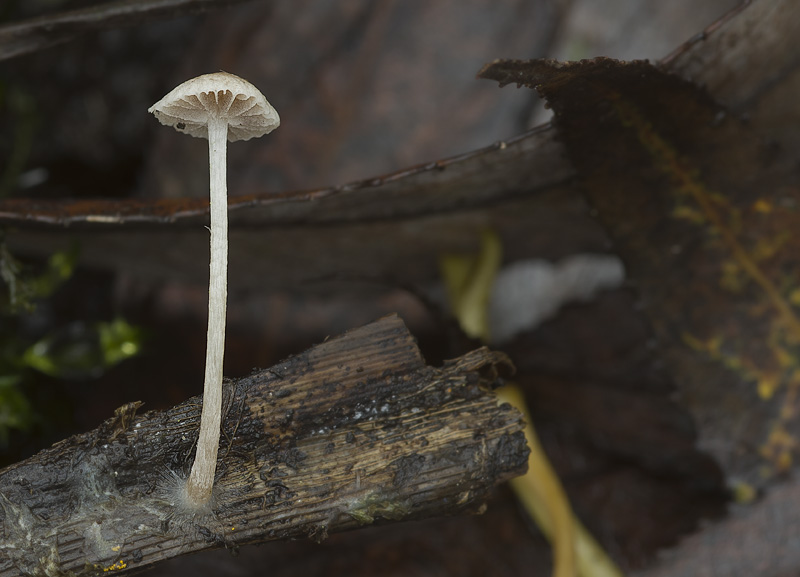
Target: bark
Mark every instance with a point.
(355, 431)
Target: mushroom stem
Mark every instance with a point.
(220, 107)
(201, 479)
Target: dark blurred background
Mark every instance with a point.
(363, 88)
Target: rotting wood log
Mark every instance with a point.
(354, 431)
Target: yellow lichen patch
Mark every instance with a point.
(782, 364)
(774, 365)
(789, 408)
(784, 461)
(116, 566)
(710, 346)
(733, 278)
(778, 448)
(767, 385)
(744, 493)
(781, 445)
(762, 206)
(713, 347)
(685, 212)
(768, 247)
(721, 219)
(784, 357)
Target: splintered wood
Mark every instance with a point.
(354, 431)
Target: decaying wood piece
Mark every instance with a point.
(49, 30)
(354, 431)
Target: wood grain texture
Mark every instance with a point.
(355, 431)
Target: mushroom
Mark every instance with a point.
(218, 107)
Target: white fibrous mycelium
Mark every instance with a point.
(220, 107)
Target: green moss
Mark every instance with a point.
(79, 350)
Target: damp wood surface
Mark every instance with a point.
(353, 432)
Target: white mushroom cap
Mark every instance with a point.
(189, 106)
